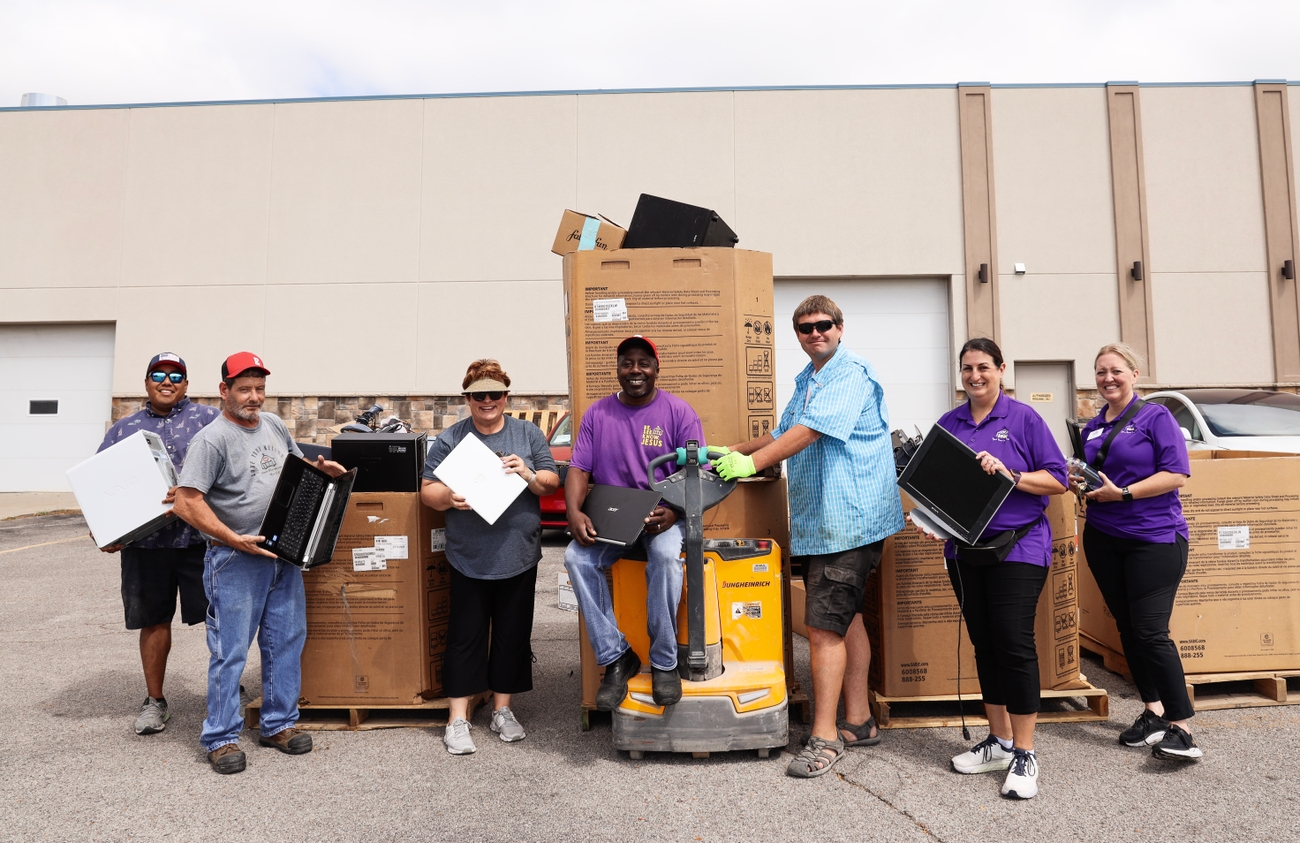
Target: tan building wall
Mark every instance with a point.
(376, 247)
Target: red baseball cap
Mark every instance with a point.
(638, 341)
(240, 362)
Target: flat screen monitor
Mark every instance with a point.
(947, 483)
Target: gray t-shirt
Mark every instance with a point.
(513, 544)
(236, 468)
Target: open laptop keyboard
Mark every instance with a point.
(298, 523)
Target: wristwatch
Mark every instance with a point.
(1125, 495)
(1015, 478)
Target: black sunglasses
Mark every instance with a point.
(821, 327)
(485, 396)
(159, 377)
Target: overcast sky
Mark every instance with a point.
(116, 51)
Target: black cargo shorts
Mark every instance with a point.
(834, 584)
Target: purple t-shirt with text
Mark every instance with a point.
(1014, 433)
(1151, 442)
(616, 443)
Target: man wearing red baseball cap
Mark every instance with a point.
(225, 488)
(157, 568)
(618, 437)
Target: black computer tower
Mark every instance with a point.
(664, 224)
(385, 462)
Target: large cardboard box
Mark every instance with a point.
(376, 637)
(911, 615)
(708, 310)
(1238, 607)
(756, 509)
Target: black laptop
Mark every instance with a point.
(955, 498)
(619, 514)
(302, 523)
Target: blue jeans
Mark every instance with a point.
(252, 595)
(663, 580)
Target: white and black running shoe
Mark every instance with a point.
(1147, 730)
(1022, 776)
(984, 757)
(1177, 745)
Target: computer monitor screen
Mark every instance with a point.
(946, 479)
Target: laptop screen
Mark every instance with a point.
(945, 477)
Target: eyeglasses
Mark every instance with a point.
(159, 377)
(821, 326)
(485, 396)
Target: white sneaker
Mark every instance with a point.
(505, 725)
(457, 738)
(984, 757)
(1022, 777)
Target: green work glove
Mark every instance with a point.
(718, 451)
(734, 466)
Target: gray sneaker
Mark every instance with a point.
(505, 725)
(153, 717)
(457, 737)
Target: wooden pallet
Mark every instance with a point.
(544, 419)
(1217, 691)
(321, 718)
(942, 709)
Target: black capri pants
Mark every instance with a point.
(489, 635)
(1139, 580)
(1000, 603)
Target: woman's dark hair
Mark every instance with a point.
(983, 344)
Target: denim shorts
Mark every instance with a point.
(834, 584)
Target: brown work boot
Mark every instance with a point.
(290, 741)
(227, 759)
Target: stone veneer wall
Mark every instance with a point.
(314, 418)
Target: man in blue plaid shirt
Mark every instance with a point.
(158, 566)
(843, 505)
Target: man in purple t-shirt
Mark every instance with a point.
(617, 438)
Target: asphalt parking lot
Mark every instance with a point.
(75, 770)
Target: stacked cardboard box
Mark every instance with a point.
(377, 614)
(1238, 607)
(911, 615)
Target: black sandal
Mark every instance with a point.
(861, 734)
(814, 761)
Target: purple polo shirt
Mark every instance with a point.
(1151, 442)
(616, 443)
(1014, 433)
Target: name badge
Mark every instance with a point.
(1095, 434)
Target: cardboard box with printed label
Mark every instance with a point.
(911, 615)
(583, 232)
(1238, 606)
(377, 614)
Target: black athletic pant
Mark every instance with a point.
(1139, 581)
(489, 635)
(1000, 602)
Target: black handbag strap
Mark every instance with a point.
(1098, 461)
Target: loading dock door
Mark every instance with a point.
(56, 392)
(900, 325)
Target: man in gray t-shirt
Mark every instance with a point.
(225, 488)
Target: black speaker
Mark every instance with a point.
(385, 462)
(664, 224)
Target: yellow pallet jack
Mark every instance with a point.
(729, 634)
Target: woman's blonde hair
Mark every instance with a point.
(484, 370)
(1124, 350)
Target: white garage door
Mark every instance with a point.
(56, 392)
(900, 325)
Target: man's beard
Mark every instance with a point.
(248, 414)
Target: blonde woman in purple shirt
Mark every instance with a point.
(998, 588)
(1136, 544)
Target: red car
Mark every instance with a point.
(561, 441)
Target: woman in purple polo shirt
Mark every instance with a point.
(1000, 598)
(1136, 544)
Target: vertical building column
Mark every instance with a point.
(1132, 249)
(1277, 173)
(978, 210)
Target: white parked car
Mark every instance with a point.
(1235, 419)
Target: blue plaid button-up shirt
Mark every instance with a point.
(176, 428)
(843, 491)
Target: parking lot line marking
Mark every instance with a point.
(42, 544)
